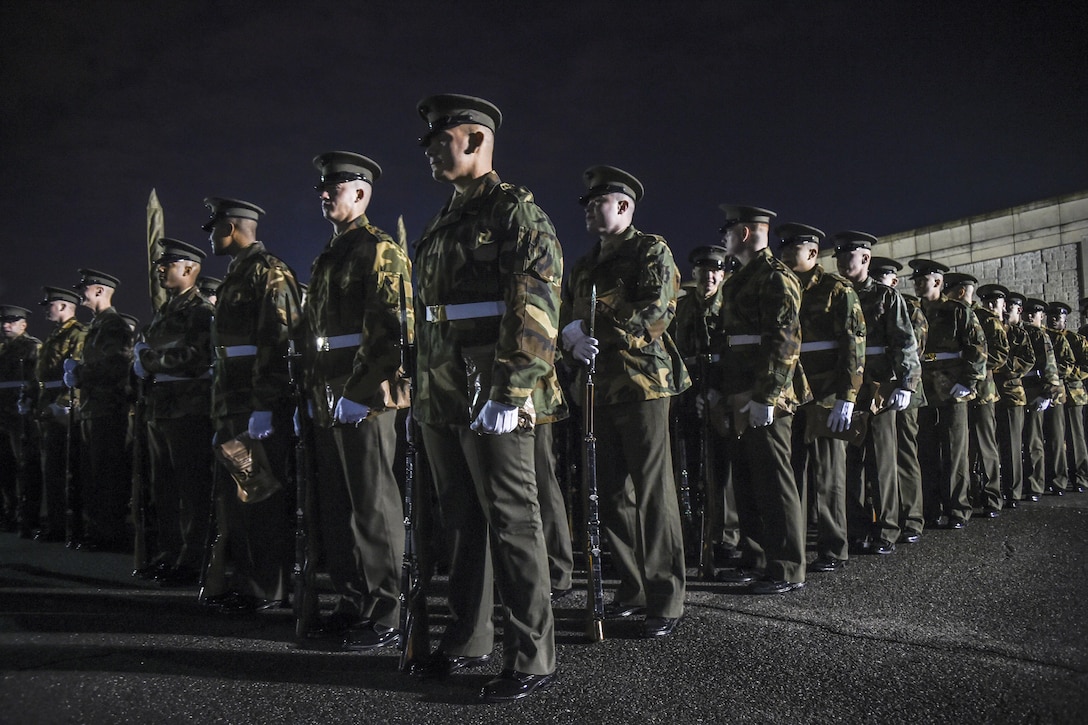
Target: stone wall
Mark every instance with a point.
(1039, 249)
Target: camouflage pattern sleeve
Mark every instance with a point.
(640, 309)
(104, 372)
(1049, 370)
(1074, 385)
(997, 353)
(902, 345)
(974, 349)
(529, 327)
(780, 332)
(278, 314)
(379, 356)
(180, 338)
(850, 332)
(66, 341)
(1064, 361)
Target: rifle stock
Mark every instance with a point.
(415, 643)
(711, 495)
(73, 503)
(303, 573)
(594, 579)
(139, 480)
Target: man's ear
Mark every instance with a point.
(475, 141)
(622, 206)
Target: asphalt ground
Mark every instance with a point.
(984, 625)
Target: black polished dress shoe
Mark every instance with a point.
(740, 575)
(957, 524)
(1051, 491)
(659, 626)
(513, 685)
(370, 636)
(991, 513)
(1030, 497)
(558, 594)
(1010, 503)
(909, 538)
(151, 571)
(49, 536)
(619, 610)
(826, 563)
(440, 665)
(335, 625)
(773, 586)
(1075, 488)
(882, 547)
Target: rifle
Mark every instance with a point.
(594, 583)
(415, 642)
(680, 464)
(711, 494)
(304, 571)
(73, 501)
(22, 501)
(139, 480)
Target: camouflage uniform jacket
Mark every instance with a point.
(763, 300)
(1066, 362)
(64, 342)
(1042, 380)
(1074, 384)
(891, 348)
(955, 351)
(1020, 361)
(180, 346)
(355, 295)
(696, 330)
(920, 324)
(103, 374)
(489, 244)
(637, 286)
(831, 313)
(997, 352)
(257, 305)
(18, 359)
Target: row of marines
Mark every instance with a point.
(789, 364)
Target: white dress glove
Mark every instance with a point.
(1040, 404)
(137, 365)
(759, 416)
(70, 379)
(496, 418)
(582, 346)
(58, 411)
(348, 411)
(24, 406)
(899, 399)
(260, 424)
(839, 419)
(959, 391)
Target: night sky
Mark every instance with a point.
(879, 116)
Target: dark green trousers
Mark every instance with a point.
(911, 518)
(553, 510)
(1010, 439)
(985, 456)
(361, 516)
(819, 467)
(640, 514)
(768, 505)
(1057, 462)
(487, 499)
